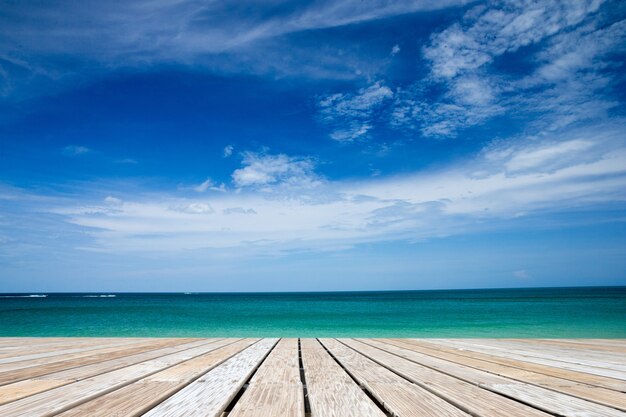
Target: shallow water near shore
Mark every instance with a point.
(538, 312)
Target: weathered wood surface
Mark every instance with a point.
(275, 390)
(141, 396)
(111, 377)
(551, 401)
(210, 394)
(331, 391)
(397, 395)
(581, 390)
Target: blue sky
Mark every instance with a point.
(288, 145)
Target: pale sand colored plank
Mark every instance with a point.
(589, 379)
(466, 396)
(281, 366)
(28, 347)
(33, 349)
(25, 388)
(210, 394)
(604, 360)
(545, 399)
(618, 343)
(139, 397)
(63, 398)
(603, 396)
(265, 400)
(19, 342)
(21, 389)
(40, 367)
(72, 348)
(399, 396)
(275, 390)
(574, 344)
(331, 391)
(550, 360)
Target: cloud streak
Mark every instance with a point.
(61, 39)
(351, 116)
(272, 213)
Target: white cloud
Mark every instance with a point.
(228, 151)
(521, 274)
(129, 161)
(74, 150)
(208, 184)
(395, 50)
(113, 201)
(194, 208)
(505, 184)
(261, 170)
(490, 31)
(546, 155)
(43, 41)
(238, 210)
(351, 115)
(567, 86)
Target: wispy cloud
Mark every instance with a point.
(351, 116)
(228, 151)
(521, 274)
(91, 35)
(127, 161)
(75, 150)
(502, 185)
(208, 184)
(261, 170)
(568, 82)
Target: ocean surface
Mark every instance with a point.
(544, 312)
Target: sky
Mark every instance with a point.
(281, 145)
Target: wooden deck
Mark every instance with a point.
(312, 377)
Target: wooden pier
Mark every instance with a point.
(120, 377)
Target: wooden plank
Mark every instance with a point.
(598, 395)
(588, 344)
(589, 379)
(275, 390)
(399, 397)
(39, 367)
(63, 398)
(618, 343)
(603, 360)
(24, 388)
(210, 394)
(17, 343)
(330, 389)
(139, 397)
(68, 348)
(29, 348)
(468, 397)
(541, 398)
(550, 360)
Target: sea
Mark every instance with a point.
(598, 312)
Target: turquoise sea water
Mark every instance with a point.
(545, 312)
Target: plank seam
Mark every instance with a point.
(245, 385)
(150, 407)
(149, 349)
(371, 396)
(305, 393)
(109, 390)
(486, 388)
(426, 387)
(520, 380)
(520, 368)
(102, 372)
